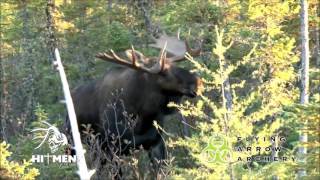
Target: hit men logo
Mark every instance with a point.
(217, 150)
(55, 140)
(54, 137)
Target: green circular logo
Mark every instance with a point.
(217, 150)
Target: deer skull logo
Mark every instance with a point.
(54, 137)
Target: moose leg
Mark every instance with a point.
(157, 155)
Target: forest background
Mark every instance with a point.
(250, 63)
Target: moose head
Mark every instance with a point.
(163, 69)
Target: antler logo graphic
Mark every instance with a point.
(54, 137)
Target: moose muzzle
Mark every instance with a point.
(200, 87)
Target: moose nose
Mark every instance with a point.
(200, 87)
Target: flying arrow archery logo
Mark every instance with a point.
(217, 150)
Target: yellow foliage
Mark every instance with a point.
(61, 24)
(6, 9)
(61, 2)
(285, 75)
(90, 11)
(14, 170)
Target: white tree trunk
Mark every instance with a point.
(83, 171)
(304, 94)
(225, 88)
(304, 91)
(317, 43)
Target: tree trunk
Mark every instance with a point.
(82, 55)
(227, 94)
(304, 91)
(317, 51)
(51, 39)
(146, 15)
(28, 63)
(3, 93)
(4, 100)
(109, 10)
(227, 104)
(225, 89)
(274, 153)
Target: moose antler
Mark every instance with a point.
(176, 47)
(111, 56)
(173, 45)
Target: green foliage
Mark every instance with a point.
(306, 118)
(52, 170)
(249, 113)
(257, 52)
(14, 170)
(118, 36)
(23, 147)
(186, 13)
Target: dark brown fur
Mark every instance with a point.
(143, 95)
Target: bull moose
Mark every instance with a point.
(140, 89)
